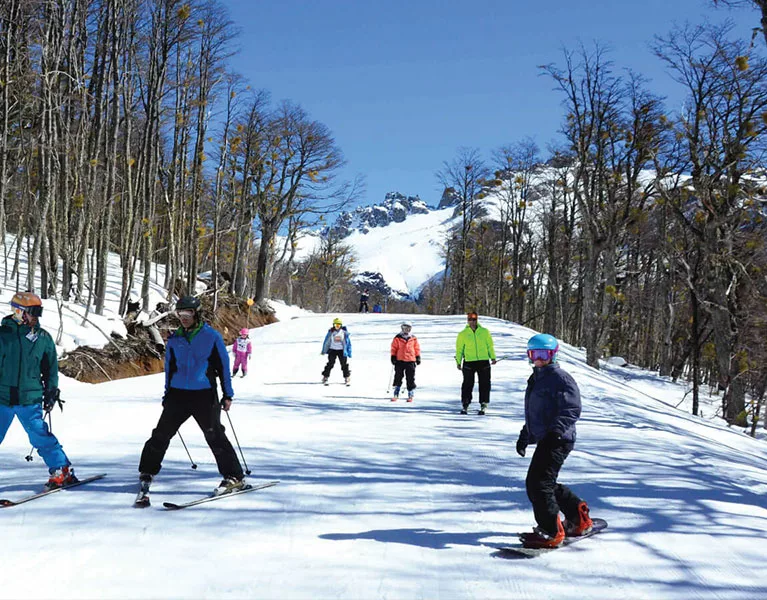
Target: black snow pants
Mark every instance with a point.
(332, 355)
(482, 369)
(178, 406)
(406, 369)
(548, 496)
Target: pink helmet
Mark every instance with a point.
(243, 331)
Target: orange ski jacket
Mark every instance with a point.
(405, 349)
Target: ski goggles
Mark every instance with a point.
(33, 311)
(540, 354)
(185, 314)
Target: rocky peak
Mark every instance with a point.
(394, 209)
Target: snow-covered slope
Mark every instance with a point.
(386, 500)
(72, 328)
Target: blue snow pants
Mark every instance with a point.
(31, 418)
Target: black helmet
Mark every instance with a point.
(188, 303)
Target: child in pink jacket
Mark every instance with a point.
(241, 350)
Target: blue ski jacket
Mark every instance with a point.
(195, 359)
(552, 404)
(347, 342)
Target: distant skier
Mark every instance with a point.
(405, 355)
(364, 300)
(337, 344)
(241, 349)
(552, 407)
(29, 381)
(474, 346)
(195, 358)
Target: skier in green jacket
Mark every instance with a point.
(29, 381)
(474, 347)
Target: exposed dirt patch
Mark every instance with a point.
(140, 355)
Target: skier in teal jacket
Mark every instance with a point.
(29, 379)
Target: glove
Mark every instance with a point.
(418, 360)
(226, 403)
(51, 398)
(522, 441)
(458, 367)
(521, 446)
(393, 360)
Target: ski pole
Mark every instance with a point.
(391, 378)
(234, 433)
(194, 466)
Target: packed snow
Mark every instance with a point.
(381, 499)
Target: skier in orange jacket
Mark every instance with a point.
(405, 355)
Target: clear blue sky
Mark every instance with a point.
(402, 84)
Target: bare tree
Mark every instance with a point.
(465, 177)
(760, 5)
(720, 138)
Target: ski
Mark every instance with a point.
(599, 525)
(250, 488)
(6, 503)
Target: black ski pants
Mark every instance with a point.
(178, 406)
(548, 496)
(482, 369)
(332, 355)
(406, 369)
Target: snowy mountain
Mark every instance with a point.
(398, 244)
(388, 500)
(394, 209)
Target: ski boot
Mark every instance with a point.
(324, 380)
(229, 485)
(465, 409)
(482, 408)
(410, 394)
(60, 477)
(142, 498)
(234, 373)
(582, 526)
(348, 381)
(395, 395)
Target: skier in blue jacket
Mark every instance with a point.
(552, 407)
(337, 344)
(195, 358)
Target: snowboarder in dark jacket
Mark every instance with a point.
(552, 407)
(194, 359)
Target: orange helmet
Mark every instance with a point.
(29, 302)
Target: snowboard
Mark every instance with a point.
(520, 551)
